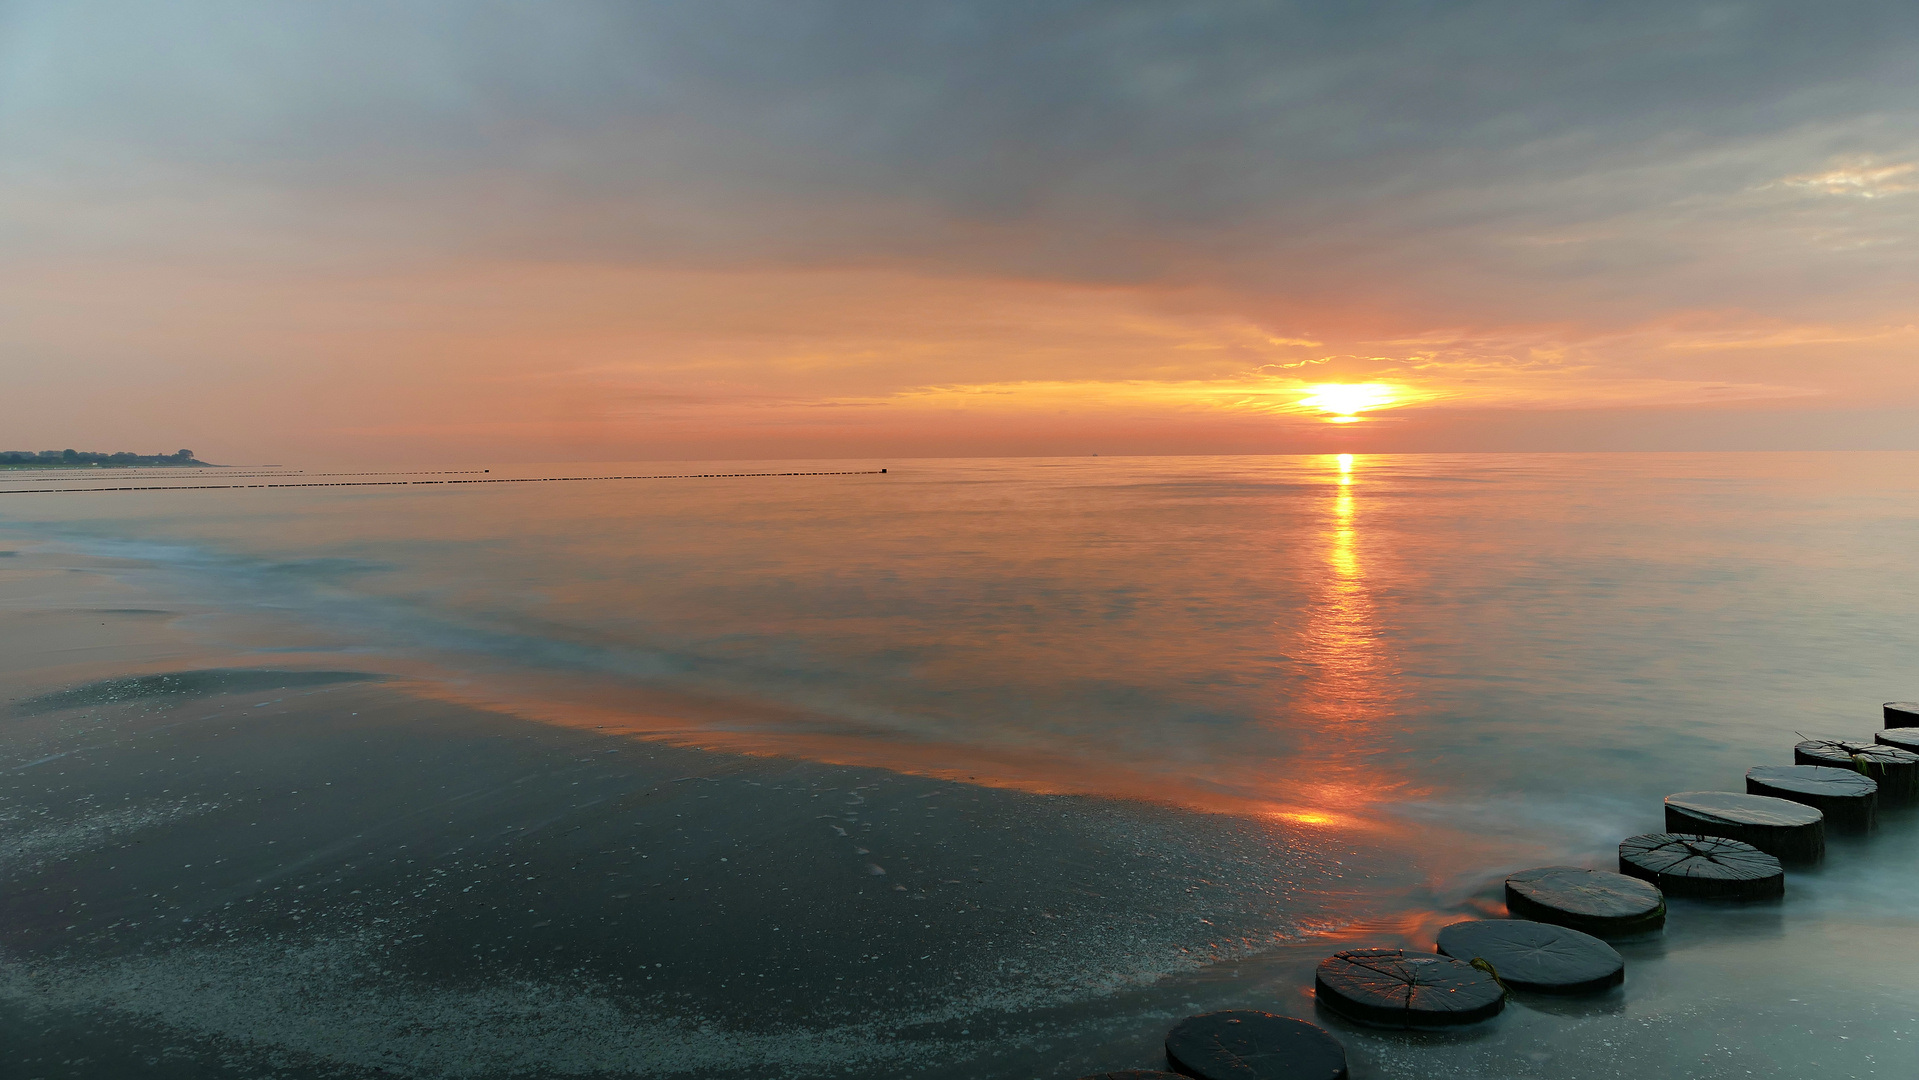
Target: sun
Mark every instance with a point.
(1345, 401)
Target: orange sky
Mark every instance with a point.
(621, 231)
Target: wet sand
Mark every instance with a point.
(229, 873)
(209, 873)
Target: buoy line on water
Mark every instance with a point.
(416, 483)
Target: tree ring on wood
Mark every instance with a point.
(1391, 988)
(1709, 867)
(1536, 956)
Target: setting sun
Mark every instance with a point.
(1345, 401)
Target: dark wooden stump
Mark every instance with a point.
(1247, 1045)
(1905, 738)
(1902, 714)
(1708, 867)
(1784, 829)
(1598, 902)
(1391, 988)
(1895, 770)
(1536, 956)
(1848, 799)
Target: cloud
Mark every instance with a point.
(1860, 179)
(641, 209)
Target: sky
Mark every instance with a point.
(561, 230)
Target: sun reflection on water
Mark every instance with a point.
(1347, 667)
(1085, 678)
(1350, 668)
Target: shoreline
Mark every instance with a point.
(1068, 931)
(455, 892)
(14, 466)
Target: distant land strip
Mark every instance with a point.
(73, 459)
(414, 483)
(244, 475)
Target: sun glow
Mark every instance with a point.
(1344, 401)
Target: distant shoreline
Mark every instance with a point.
(95, 459)
(22, 466)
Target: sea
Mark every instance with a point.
(965, 768)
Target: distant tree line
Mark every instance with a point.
(94, 457)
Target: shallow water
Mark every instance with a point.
(1175, 728)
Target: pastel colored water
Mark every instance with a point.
(1400, 676)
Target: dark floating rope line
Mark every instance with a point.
(413, 483)
(412, 472)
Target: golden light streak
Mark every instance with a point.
(1344, 562)
(1348, 671)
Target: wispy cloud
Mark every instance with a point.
(1860, 179)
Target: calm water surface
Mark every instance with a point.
(1199, 721)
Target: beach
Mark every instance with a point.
(1002, 769)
